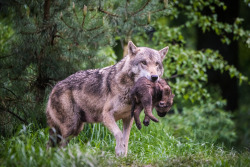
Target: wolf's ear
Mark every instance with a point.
(132, 49)
(163, 52)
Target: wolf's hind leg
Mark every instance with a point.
(69, 130)
(54, 131)
(54, 137)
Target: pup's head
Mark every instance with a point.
(146, 62)
(166, 102)
(165, 96)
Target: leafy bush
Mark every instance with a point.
(206, 123)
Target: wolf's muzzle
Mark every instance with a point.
(154, 77)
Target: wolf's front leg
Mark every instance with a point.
(109, 122)
(127, 125)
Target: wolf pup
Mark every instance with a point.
(101, 95)
(163, 106)
(147, 94)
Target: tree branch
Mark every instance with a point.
(74, 11)
(98, 34)
(2, 57)
(10, 91)
(175, 76)
(47, 26)
(83, 20)
(15, 115)
(108, 13)
(134, 13)
(158, 10)
(141, 25)
(94, 28)
(66, 23)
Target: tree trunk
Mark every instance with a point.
(42, 80)
(46, 9)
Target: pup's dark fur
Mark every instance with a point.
(147, 94)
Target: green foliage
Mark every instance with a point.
(5, 35)
(208, 122)
(106, 56)
(203, 14)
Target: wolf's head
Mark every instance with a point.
(146, 62)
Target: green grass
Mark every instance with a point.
(160, 144)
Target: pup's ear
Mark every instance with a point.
(163, 52)
(132, 49)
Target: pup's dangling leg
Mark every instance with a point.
(137, 112)
(147, 105)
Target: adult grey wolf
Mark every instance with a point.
(147, 95)
(101, 95)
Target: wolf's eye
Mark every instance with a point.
(144, 62)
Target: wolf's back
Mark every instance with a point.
(79, 96)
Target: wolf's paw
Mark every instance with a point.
(120, 151)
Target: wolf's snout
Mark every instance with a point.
(154, 77)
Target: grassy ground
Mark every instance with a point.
(160, 144)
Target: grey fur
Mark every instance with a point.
(100, 95)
